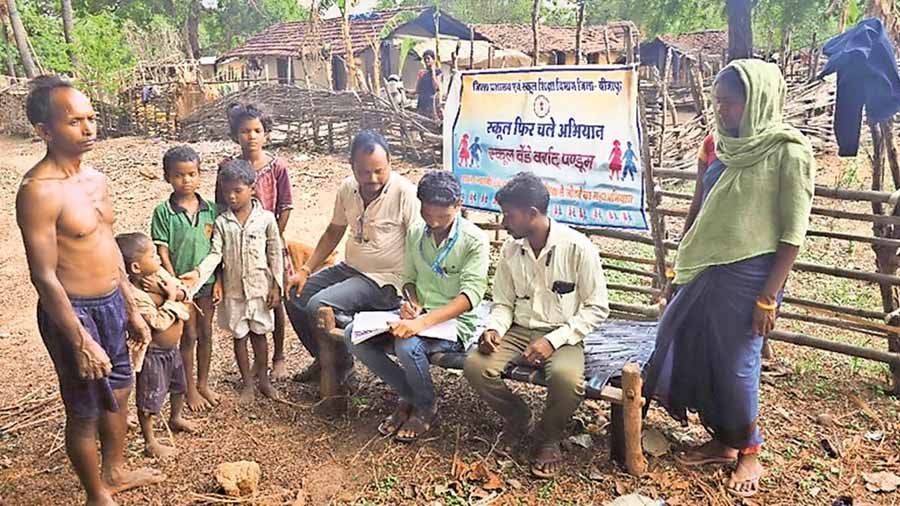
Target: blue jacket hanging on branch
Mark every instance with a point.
(866, 67)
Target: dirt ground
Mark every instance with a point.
(826, 418)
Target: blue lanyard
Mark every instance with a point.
(443, 253)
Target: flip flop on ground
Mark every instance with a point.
(418, 425)
(712, 452)
(744, 481)
(390, 425)
(548, 461)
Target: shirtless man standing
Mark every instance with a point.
(66, 218)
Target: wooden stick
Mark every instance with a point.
(628, 270)
(630, 288)
(632, 406)
(649, 311)
(871, 277)
(862, 313)
(329, 383)
(606, 255)
(833, 346)
(835, 323)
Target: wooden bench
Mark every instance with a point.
(614, 357)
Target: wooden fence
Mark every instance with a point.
(323, 120)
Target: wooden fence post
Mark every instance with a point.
(657, 224)
(886, 258)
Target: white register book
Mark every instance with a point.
(368, 324)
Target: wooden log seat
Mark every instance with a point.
(615, 355)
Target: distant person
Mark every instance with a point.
(249, 127)
(182, 227)
(732, 264)
(549, 293)
(444, 279)
(163, 303)
(85, 302)
(428, 86)
(379, 206)
(247, 243)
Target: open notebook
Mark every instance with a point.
(368, 324)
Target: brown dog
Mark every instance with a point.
(300, 253)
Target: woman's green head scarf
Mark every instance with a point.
(762, 126)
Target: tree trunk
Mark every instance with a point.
(7, 54)
(349, 59)
(21, 40)
(192, 30)
(69, 31)
(740, 31)
(887, 13)
(535, 15)
(578, 29)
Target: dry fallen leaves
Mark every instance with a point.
(882, 481)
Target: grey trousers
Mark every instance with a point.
(341, 287)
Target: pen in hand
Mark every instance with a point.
(408, 310)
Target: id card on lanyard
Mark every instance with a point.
(437, 266)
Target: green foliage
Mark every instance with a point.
(233, 21)
(99, 43)
(100, 58)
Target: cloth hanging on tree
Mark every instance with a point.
(866, 66)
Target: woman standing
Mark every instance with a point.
(732, 264)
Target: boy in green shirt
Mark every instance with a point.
(445, 277)
(182, 229)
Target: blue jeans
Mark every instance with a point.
(409, 375)
(341, 287)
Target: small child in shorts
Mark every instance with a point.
(250, 127)
(247, 243)
(162, 302)
(181, 228)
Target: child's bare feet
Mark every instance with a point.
(159, 451)
(279, 370)
(104, 500)
(248, 394)
(266, 388)
(195, 401)
(119, 480)
(181, 425)
(209, 394)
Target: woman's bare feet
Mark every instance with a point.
(248, 394)
(713, 452)
(195, 401)
(279, 370)
(119, 480)
(744, 481)
(159, 451)
(181, 425)
(209, 394)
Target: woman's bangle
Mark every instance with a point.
(765, 306)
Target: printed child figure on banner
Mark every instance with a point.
(475, 152)
(630, 163)
(615, 161)
(464, 151)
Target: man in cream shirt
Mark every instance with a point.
(378, 206)
(549, 293)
